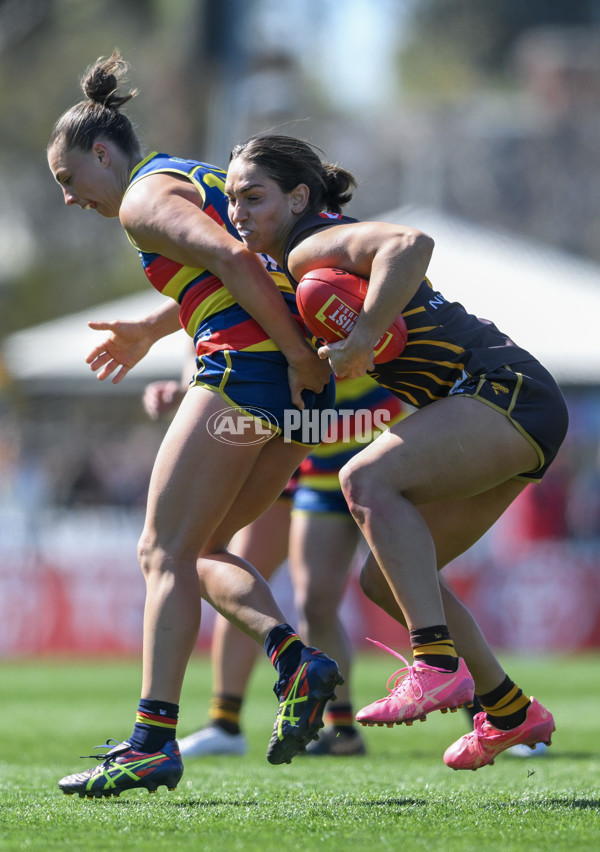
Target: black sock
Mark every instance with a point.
(474, 709)
(340, 716)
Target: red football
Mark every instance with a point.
(329, 301)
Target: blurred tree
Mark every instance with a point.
(507, 97)
(214, 62)
(19, 18)
(53, 261)
(210, 72)
(453, 44)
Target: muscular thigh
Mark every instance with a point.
(265, 482)
(456, 525)
(451, 449)
(196, 478)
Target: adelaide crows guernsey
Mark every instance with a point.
(445, 343)
(207, 311)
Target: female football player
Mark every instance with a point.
(490, 419)
(254, 365)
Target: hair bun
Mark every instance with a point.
(101, 80)
(100, 88)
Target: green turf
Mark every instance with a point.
(401, 796)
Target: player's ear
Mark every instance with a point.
(299, 197)
(102, 153)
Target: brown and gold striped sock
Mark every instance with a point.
(433, 646)
(505, 706)
(225, 712)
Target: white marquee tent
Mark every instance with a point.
(548, 301)
(51, 357)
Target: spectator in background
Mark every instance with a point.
(583, 513)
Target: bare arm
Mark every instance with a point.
(394, 259)
(129, 341)
(162, 214)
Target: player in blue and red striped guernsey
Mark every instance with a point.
(255, 365)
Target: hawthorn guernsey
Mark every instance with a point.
(329, 301)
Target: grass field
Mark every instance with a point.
(401, 796)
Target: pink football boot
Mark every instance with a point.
(481, 745)
(418, 690)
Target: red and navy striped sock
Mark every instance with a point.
(155, 725)
(341, 717)
(284, 647)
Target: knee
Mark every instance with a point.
(156, 557)
(314, 610)
(356, 482)
(368, 485)
(165, 548)
(147, 553)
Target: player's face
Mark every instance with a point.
(83, 178)
(259, 210)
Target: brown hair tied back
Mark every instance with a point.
(98, 116)
(100, 81)
(289, 162)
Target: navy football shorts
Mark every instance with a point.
(257, 383)
(528, 395)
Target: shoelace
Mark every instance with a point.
(479, 721)
(109, 745)
(407, 671)
(288, 704)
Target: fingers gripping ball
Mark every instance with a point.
(329, 301)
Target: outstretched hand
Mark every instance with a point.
(124, 347)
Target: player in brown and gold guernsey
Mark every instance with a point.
(489, 419)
